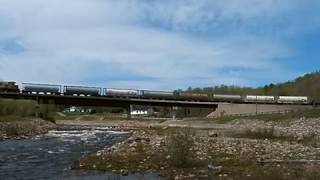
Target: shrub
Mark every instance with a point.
(180, 147)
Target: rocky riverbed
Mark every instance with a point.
(246, 149)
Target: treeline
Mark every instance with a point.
(307, 85)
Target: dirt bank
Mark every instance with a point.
(20, 129)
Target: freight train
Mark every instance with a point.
(52, 89)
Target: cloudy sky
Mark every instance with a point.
(158, 44)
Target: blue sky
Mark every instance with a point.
(158, 44)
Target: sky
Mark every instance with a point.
(158, 44)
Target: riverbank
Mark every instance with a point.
(237, 149)
(22, 128)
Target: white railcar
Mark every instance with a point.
(227, 97)
(293, 99)
(121, 92)
(253, 98)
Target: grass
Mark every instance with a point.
(312, 140)
(245, 166)
(15, 110)
(75, 113)
(21, 108)
(309, 113)
(262, 133)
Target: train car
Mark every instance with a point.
(31, 88)
(157, 94)
(10, 86)
(293, 100)
(121, 92)
(227, 98)
(260, 99)
(82, 90)
(193, 96)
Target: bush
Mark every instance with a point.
(180, 147)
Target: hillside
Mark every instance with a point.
(307, 85)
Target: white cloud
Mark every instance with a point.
(67, 41)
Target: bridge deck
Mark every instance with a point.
(105, 101)
(120, 102)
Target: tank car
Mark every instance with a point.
(228, 98)
(261, 99)
(121, 92)
(40, 88)
(157, 94)
(193, 96)
(10, 86)
(293, 99)
(82, 90)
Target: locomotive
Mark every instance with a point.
(53, 89)
(8, 87)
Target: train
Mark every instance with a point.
(54, 89)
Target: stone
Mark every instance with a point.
(214, 169)
(124, 172)
(213, 134)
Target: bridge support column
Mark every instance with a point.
(174, 112)
(39, 102)
(128, 111)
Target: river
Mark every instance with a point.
(51, 156)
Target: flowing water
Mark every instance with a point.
(51, 156)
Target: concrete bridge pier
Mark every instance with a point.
(174, 110)
(39, 102)
(44, 106)
(128, 111)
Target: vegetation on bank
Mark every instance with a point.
(15, 110)
(24, 129)
(21, 118)
(307, 85)
(278, 117)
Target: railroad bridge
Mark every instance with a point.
(124, 102)
(126, 98)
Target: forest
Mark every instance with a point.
(307, 85)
